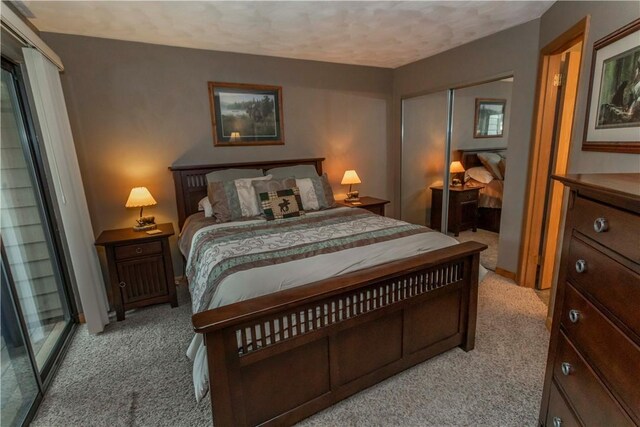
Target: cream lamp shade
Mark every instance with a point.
(456, 167)
(140, 197)
(350, 177)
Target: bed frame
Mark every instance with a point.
(488, 218)
(276, 359)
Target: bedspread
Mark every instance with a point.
(232, 262)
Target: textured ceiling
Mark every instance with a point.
(383, 34)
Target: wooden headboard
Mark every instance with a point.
(469, 158)
(191, 181)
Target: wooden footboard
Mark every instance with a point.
(279, 358)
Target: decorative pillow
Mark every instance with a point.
(490, 161)
(282, 204)
(478, 173)
(233, 174)
(316, 193)
(248, 197)
(271, 185)
(298, 172)
(233, 200)
(205, 205)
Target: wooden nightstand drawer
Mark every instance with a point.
(142, 279)
(464, 196)
(140, 249)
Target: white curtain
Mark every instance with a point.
(51, 113)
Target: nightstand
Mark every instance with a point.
(371, 204)
(463, 208)
(140, 268)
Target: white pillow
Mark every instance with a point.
(308, 194)
(205, 205)
(247, 196)
(479, 173)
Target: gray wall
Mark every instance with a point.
(464, 112)
(606, 17)
(136, 109)
(510, 52)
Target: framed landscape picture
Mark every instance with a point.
(613, 108)
(246, 114)
(489, 118)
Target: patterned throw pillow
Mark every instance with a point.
(271, 185)
(316, 193)
(233, 200)
(282, 204)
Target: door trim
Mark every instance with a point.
(536, 186)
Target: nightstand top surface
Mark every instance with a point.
(122, 235)
(365, 201)
(458, 188)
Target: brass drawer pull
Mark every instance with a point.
(557, 422)
(122, 284)
(138, 250)
(581, 266)
(574, 315)
(600, 225)
(566, 368)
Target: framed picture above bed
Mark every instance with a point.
(613, 108)
(489, 118)
(246, 114)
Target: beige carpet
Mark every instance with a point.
(136, 374)
(488, 257)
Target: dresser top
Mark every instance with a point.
(617, 185)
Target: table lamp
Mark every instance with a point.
(139, 198)
(455, 169)
(351, 177)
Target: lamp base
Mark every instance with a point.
(352, 196)
(456, 182)
(144, 227)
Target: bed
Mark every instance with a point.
(275, 358)
(490, 197)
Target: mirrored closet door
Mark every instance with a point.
(454, 156)
(424, 135)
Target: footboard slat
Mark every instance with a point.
(295, 353)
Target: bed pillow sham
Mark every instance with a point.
(265, 186)
(233, 200)
(205, 205)
(298, 172)
(282, 204)
(478, 173)
(316, 193)
(233, 174)
(490, 162)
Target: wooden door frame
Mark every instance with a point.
(532, 222)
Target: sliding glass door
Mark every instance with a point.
(36, 315)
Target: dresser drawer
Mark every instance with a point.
(621, 232)
(612, 354)
(559, 414)
(130, 251)
(588, 396)
(609, 282)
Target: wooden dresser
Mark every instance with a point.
(593, 367)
